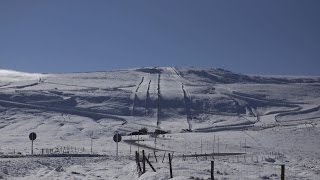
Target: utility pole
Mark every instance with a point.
(130, 143)
(214, 141)
(218, 145)
(201, 145)
(138, 143)
(91, 144)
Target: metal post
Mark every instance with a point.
(130, 143)
(117, 151)
(117, 146)
(32, 147)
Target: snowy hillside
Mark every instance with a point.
(269, 113)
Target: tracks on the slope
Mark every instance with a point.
(135, 96)
(147, 99)
(186, 96)
(187, 103)
(68, 110)
(159, 101)
(297, 112)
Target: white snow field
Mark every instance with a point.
(268, 120)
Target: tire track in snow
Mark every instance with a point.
(71, 85)
(269, 101)
(274, 102)
(3, 85)
(21, 86)
(298, 112)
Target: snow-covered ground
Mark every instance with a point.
(272, 119)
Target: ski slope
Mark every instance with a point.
(270, 113)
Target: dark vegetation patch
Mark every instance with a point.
(150, 70)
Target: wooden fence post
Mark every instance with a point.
(143, 162)
(150, 165)
(282, 172)
(138, 163)
(170, 165)
(212, 170)
(164, 155)
(155, 156)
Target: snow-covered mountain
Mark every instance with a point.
(12, 76)
(67, 108)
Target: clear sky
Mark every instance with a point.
(250, 37)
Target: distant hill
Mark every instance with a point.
(172, 99)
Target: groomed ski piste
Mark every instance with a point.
(249, 125)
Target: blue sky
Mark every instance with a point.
(250, 37)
